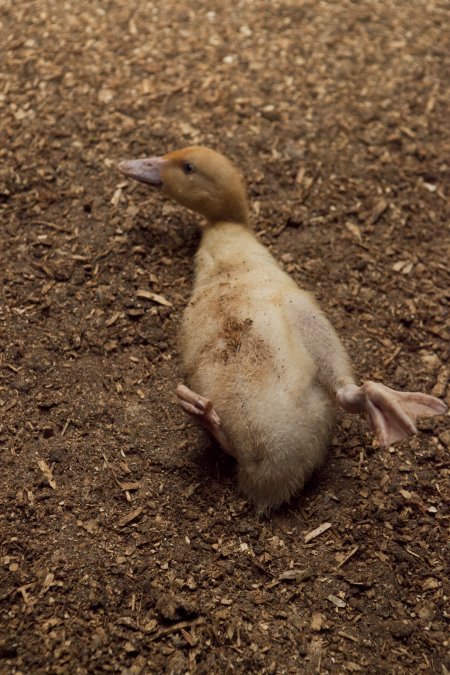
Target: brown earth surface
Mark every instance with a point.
(125, 544)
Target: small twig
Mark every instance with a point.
(261, 568)
(108, 466)
(347, 636)
(13, 368)
(101, 255)
(317, 532)
(392, 357)
(176, 627)
(53, 226)
(64, 429)
(11, 404)
(347, 557)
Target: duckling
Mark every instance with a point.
(263, 366)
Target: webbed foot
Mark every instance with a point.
(391, 414)
(202, 409)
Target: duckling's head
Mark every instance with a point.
(199, 178)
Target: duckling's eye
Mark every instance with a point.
(188, 167)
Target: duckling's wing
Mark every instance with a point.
(391, 414)
(323, 344)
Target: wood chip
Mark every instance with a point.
(392, 357)
(300, 175)
(377, 211)
(154, 297)
(112, 319)
(12, 402)
(48, 582)
(179, 626)
(44, 467)
(296, 575)
(403, 266)
(430, 584)
(337, 602)
(348, 556)
(362, 583)
(190, 490)
(131, 486)
(317, 621)
(90, 525)
(23, 591)
(317, 532)
(431, 187)
(126, 520)
(117, 196)
(407, 268)
(347, 636)
(441, 382)
(150, 626)
(354, 229)
(66, 424)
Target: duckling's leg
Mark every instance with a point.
(391, 414)
(202, 409)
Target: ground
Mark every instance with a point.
(125, 544)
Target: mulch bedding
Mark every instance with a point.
(125, 544)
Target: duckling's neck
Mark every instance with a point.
(233, 209)
(226, 247)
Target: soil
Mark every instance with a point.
(125, 544)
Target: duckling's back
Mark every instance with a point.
(240, 348)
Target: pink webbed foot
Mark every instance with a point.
(391, 414)
(202, 409)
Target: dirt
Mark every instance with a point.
(125, 544)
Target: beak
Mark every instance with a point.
(145, 170)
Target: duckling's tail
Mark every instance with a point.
(269, 476)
